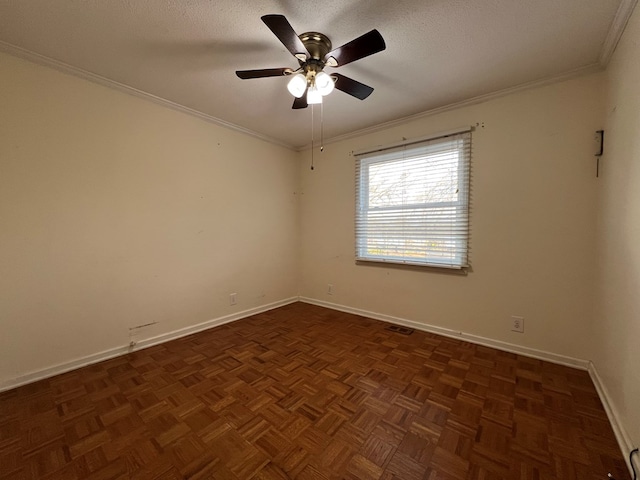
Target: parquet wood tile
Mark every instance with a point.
(303, 392)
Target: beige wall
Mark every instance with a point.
(617, 351)
(533, 224)
(116, 212)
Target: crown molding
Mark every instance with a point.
(621, 18)
(624, 12)
(121, 87)
(578, 72)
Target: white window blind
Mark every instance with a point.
(412, 202)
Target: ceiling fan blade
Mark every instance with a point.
(363, 46)
(300, 102)
(265, 72)
(282, 29)
(352, 87)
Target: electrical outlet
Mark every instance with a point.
(329, 289)
(233, 299)
(517, 324)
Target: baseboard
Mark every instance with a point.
(467, 337)
(117, 351)
(621, 434)
(624, 441)
(622, 437)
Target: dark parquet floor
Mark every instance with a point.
(302, 392)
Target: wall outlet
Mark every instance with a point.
(517, 324)
(329, 289)
(233, 299)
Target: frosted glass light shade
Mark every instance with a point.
(297, 85)
(313, 95)
(324, 83)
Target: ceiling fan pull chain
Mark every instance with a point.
(322, 127)
(311, 136)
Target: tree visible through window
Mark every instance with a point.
(412, 203)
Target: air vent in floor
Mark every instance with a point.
(399, 329)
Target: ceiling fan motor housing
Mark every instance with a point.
(317, 44)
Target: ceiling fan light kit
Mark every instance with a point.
(314, 97)
(297, 85)
(324, 83)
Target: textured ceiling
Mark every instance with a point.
(439, 52)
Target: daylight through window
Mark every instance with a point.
(412, 202)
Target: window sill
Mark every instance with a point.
(435, 268)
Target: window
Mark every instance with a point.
(412, 202)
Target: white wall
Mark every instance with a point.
(617, 351)
(116, 212)
(533, 224)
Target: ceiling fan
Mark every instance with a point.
(313, 50)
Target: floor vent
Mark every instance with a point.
(399, 329)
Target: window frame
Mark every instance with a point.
(398, 153)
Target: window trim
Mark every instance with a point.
(460, 262)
